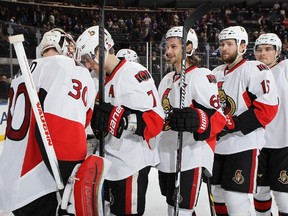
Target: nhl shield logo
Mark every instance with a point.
(238, 177)
(283, 177)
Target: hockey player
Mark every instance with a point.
(200, 120)
(128, 54)
(131, 116)
(248, 96)
(66, 93)
(273, 159)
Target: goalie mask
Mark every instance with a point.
(177, 31)
(128, 54)
(89, 40)
(269, 39)
(58, 39)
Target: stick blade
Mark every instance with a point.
(16, 38)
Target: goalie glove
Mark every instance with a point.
(115, 119)
(188, 119)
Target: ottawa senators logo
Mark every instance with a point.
(143, 76)
(283, 177)
(167, 109)
(262, 67)
(227, 103)
(238, 178)
(211, 78)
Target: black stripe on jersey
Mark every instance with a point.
(248, 120)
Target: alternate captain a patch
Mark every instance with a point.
(143, 76)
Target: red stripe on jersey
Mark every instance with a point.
(253, 170)
(128, 201)
(220, 208)
(262, 206)
(247, 99)
(69, 138)
(154, 124)
(217, 123)
(195, 185)
(264, 112)
(186, 71)
(110, 77)
(32, 155)
(236, 66)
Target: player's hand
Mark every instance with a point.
(109, 118)
(188, 119)
(232, 125)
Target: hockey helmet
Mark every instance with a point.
(177, 31)
(58, 39)
(269, 39)
(128, 54)
(234, 32)
(89, 40)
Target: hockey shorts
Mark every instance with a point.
(127, 196)
(190, 182)
(273, 169)
(236, 172)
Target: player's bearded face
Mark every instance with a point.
(173, 50)
(228, 51)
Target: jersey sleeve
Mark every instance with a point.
(141, 94)
(260, 98)
(204, 96)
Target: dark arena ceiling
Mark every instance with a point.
(156, 4)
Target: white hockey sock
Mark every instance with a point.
(281, 199)
(238, 204)
(262, 201)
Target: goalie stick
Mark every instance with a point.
(17, 40)
(199, 12)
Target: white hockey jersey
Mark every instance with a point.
(276, 132)
(69, 96)
(248, 91)
(131, 85)
(200, 92)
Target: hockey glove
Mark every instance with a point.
(188, 119)
(232, 125)
(109, 118)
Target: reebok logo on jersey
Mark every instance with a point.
(142, 76)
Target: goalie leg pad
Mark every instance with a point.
(88, 185)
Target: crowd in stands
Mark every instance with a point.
(133, 28)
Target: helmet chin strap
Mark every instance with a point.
(276, 57)
(238, 56)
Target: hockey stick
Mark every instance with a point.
(209, 191)
(17, 40)
(101, 70)
(199, 12)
